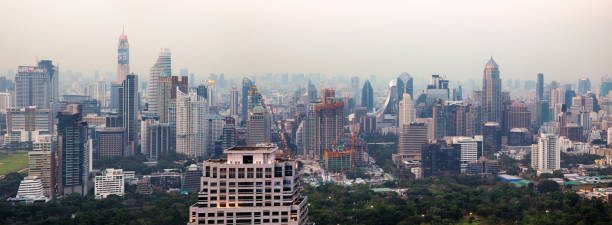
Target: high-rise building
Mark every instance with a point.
(110, 142)
(191, 111)
(407, 113)
(128, 111)
(246, 86)
(234, 102)
(491, 133)
(584, 85)
(266, 190)
(517, 116)
(114, 94)
(471, 150)
(491, 93)
(72, 153)
(367, 96)
(42, 165)
(202, 91)
(229, 133)
(37, 85)
(539, 99)
(546, 154)
(123, 57)
(258, 126)
(161, 68)
(147, 120)
(164, 95)
(111, 182)
(412, 137)
(329, 121)
(213, 130)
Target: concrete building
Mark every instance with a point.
(251, 186)
(111, 182)
(28, 122)
(37, 85)
(128, 111)
(73, 153)
(123, 57)
(546, 154)
(110, 142)
(41, 164)
(411, 140)
(31, 190)
(191, 111)
(407, 112)
(161, 68)
(491, 93)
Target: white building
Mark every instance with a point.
(111, 182)
(546, 154)
(469, 151)
(191, 111)
(407, 112)
(161, 68)
(5, 101)
(251, 186)
(31, 190)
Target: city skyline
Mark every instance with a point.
(356, 39)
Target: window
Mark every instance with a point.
(223, 173)
(259, 173)
(268, 172)
(240, 172)
(278, 171)
(249, 172)
(247, 159)
(232, 173)
(208, 171)
(288, 170)
(214, 172)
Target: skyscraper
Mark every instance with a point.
(161, 68)
(37, 85)
(72, 152)
(234, 102)
(407, 113)
(491, 93)
(191, 111)
(123, 57)
(367, 96)
(128, 111)
(329, 121)
(246, 85)
(258, 126)
(539, 98)
(584, 85)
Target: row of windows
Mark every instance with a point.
(245, 221)
(242, 214)
(223, 173)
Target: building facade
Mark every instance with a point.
(251, 186)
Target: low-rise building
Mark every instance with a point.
(111, 182)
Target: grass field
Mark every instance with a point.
(11, 161)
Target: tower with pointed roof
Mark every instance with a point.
(491, 93)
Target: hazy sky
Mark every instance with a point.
(562, 39)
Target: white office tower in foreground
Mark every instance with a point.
(251, 186)
(546, 154)
(31, 190)
(111, 182)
